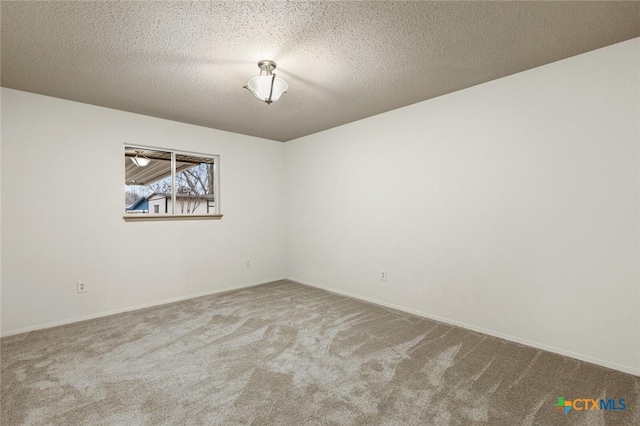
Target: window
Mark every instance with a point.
(161, 184)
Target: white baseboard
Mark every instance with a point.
(581, 357)
(134, 308)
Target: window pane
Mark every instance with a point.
(147, 182)
(195, 185)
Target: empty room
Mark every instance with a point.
(320, 213)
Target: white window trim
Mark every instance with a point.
(217, 215)
(150, 218)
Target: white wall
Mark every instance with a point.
(511, 207)
(62, 195)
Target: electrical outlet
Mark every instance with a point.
(383, 275)
(247, 263)
(82, 286)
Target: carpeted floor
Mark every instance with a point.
(287, 354)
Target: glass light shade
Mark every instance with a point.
(260, 86)
(140, 161)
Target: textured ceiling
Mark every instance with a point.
(343, 60)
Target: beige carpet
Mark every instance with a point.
(287, 354)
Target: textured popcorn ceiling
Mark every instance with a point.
(343, 60)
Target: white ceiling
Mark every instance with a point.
(343, 60)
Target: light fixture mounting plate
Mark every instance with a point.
(267, 65)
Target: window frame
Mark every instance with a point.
(173, 216)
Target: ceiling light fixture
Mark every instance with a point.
(267, 87)
(140, 160)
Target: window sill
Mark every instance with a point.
(156, 217)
